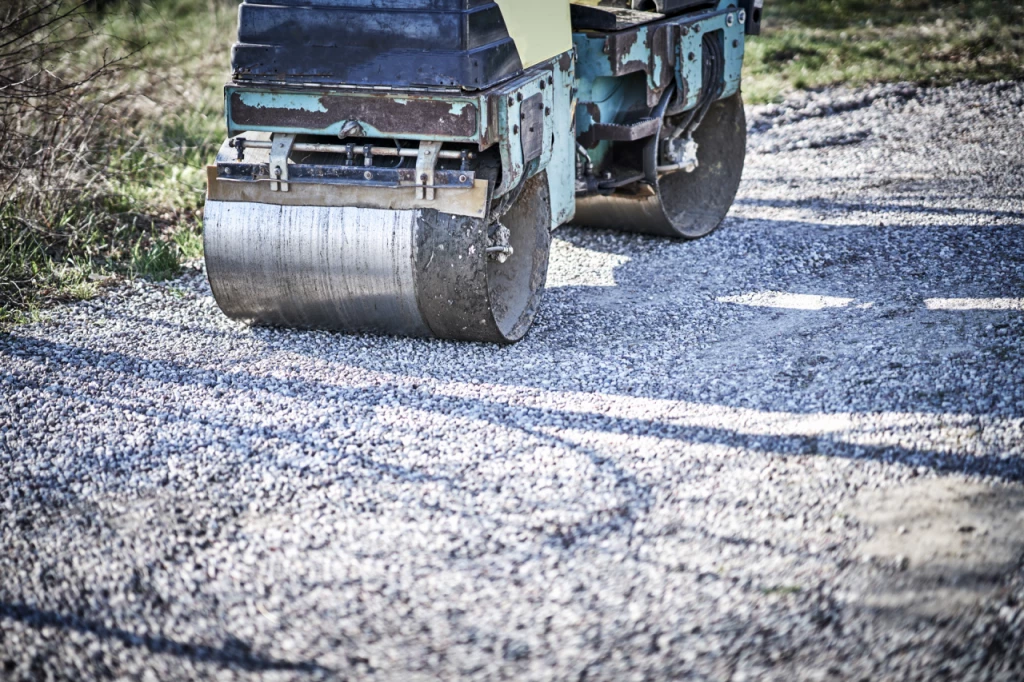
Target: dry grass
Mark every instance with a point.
(107, 117)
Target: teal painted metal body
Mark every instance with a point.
(621, 76)
(615, 77)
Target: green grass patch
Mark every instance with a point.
(132, 206)
(817, 43)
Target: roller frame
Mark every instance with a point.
(339, 245)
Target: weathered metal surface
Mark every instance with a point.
(690, 54)
(314, 266)
(407, 272)
(561, 164)
(464, 294)
(426, 165)
(587, 18)
(472, 201)
(752, 9)
(507, 102)
(346, 175)
(532, 126)
(683, 204)
(622, 74)
(339, 148)
(541, 99)
(400, 115)
(620, 132)
(399, 43)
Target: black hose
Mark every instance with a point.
(712, 73)
(651, 148)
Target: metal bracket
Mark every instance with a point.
(280, 149)
(426, 162)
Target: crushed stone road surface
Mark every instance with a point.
(792, 450)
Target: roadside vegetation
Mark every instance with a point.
(110, 109)
(108, 114)
(815, 43)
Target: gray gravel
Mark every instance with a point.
(663, 480)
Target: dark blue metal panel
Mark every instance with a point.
(401, 43)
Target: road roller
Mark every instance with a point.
(398, 166)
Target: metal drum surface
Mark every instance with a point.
(687, 205)
(402, 272)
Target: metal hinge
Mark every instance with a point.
(280, 149)
(426, 162)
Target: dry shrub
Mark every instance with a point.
(58, 127)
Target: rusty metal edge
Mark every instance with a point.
(472, 202)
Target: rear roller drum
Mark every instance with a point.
(408, 272)
(682, 204)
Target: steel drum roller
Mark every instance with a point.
(405, 272)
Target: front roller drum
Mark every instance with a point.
(682, 204)
(403, 272)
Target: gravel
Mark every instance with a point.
(661, 481)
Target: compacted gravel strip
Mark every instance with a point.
(794, 449)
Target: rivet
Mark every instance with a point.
(729, 20)
(515, 130)
(462, 178)
(743, 16)
(511, 101)
(735, 43)
(519, 97)
(691, 56)
(368, 175)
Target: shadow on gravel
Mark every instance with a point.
(504, 414)
(234, 653)
(897, 207)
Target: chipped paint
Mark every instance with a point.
(289, 101)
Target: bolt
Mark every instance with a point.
(743, 17)
(368, 175)
(547, 111)
(728, 20)
(515, 130)
(519, 97)
(551, 80)
(462, 178)
(696, 28)
(735, 43)
(691, 56)
(684, 30)
(543, 85)
(511, 101)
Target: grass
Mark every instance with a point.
(815, 43)
(141, 217)
(139, 214)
